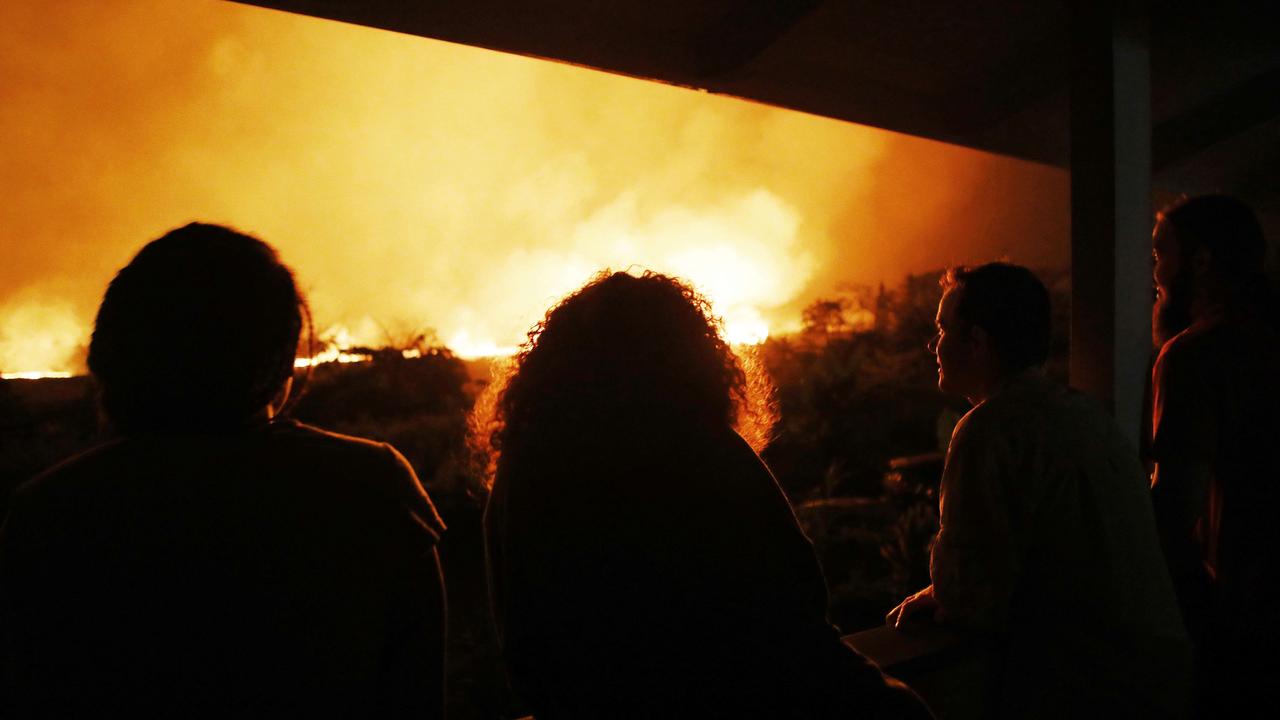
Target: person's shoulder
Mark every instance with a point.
(1190, 341)
(71, 474)
(728, 446)
(1207, 340)
(735, 444)
(982, 419)
(1220, 341)
(1031, 404)
(319, 440)
(377, 466)
(1050, 408)
(341, 453)
(722, 463)
(985, 431)
(1186, 353)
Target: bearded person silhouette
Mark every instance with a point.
(1215, 430)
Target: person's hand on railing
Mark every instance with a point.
(915, 605)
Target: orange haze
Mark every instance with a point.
(417, 184)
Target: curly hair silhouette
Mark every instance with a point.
(640, 349)
(631, 533)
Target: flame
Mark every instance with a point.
(424, 184)
(331, 354)
(34, 375)
(430, 185)
(41, 339)
(743, 253)
(339, 343)
(744, 256)
(344, 345)
(465, 346)
(746, 327)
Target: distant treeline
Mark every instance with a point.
(855, 388)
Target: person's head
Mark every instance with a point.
(992, 324)
(200, 329)
(1207, 250)
(624, 347)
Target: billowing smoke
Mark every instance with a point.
(416, 184)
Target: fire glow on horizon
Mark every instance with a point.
(420, 185)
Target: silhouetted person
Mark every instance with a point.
(1216, 442)
(215, 559)
(1047, 543)
(644, 561)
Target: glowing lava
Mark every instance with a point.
(34, 375)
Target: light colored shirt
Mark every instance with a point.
(1048, 541)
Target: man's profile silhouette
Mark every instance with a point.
(1047, 544)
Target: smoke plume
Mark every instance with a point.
(418, 184)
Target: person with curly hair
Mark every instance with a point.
(214, 558)
(643, 560)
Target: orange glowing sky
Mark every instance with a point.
(413, 183)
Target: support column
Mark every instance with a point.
(1111, 205)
